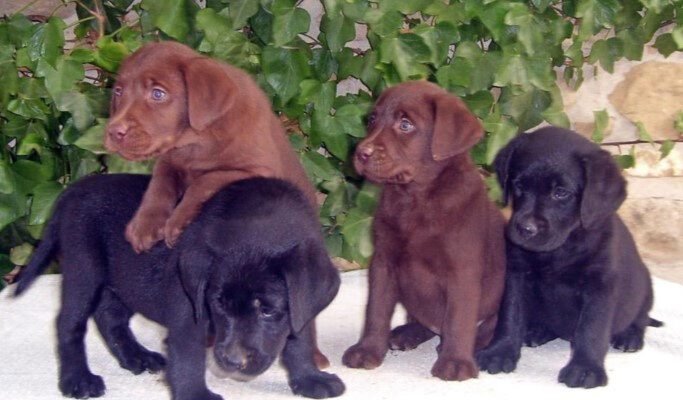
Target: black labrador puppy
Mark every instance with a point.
(573, 268)
(249, 274)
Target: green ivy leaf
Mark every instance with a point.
(501, 132)
(79, 106)
(678, 122)
(318, 166)
(20, 255)
(12, 207)
(93, 138)
(643, 134)
(408, 53)
(62, 77)
(109, 54)
(601, 123)
(241, 10)
(7, 182)
(44, 196)
(289, 25)
(439, 39)
(665, 148)
(338, 30)
(173, 17)
(625, 161)
(357, 234)
(665, 44)
(606, 52)
(284, 70)
(526, 108)
(47, 41)
(332, 133)
(595, 15)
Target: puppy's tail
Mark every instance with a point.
(655, 323)
(41, 257)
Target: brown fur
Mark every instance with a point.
(213, 126)
(439, 244)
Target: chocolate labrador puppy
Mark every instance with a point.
(573, 269)
(250, 272)
(206, 123)
(439, 246)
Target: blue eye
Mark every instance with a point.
(405, 125)
(158, 94)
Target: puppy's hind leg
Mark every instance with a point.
(80, 290)
(409, 336)
(112, 318)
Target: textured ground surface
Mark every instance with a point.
(29, 364)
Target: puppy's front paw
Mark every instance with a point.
(360, 356)
(583, 375)
(81, 385)
(144, 230)
(318, 386)
(498, 357)
(143, 361)
(454, 369)
(173, 228)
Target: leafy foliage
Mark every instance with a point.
(501, 57)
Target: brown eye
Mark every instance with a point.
(371, 120)
(560, 193)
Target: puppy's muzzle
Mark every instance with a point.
(364, 152)
(530, 228)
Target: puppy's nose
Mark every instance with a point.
(236, 357)
(363, 153)
(527, 229)
(117, 130)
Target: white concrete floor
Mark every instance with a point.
(28, 363)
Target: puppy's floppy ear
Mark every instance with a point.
(194, 268)
(604, 187)
(501, 164)
(210, 91)
(456, 129)
(312, 283)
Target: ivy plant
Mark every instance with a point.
(502, 57)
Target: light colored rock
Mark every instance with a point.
(37, 7)
(593, 95)
(657, 227)
(651, 93)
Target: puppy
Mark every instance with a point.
(207, 124)
(251, 271)
(439, 247)
(573, 269)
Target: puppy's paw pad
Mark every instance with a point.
(454, 370)
(359, 356)
(496, 359)
(144, 361)
(82, 386)
(580, 375)
(632, 339)
(408, 337)
(319, 386)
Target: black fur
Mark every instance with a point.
(573, 268)
(251, 271)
